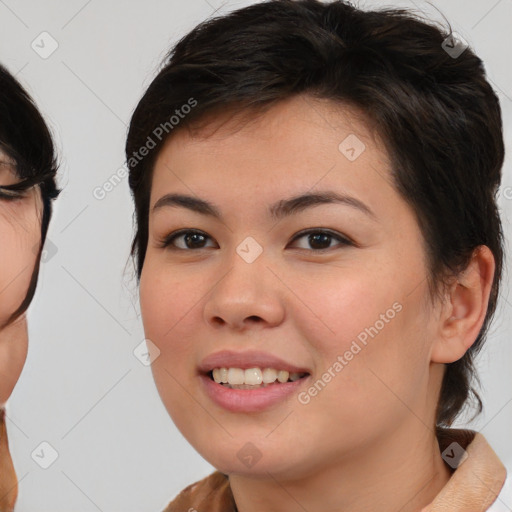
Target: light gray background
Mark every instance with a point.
(82, 390)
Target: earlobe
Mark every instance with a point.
(465, 308)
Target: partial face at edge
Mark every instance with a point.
(199, 296)
(20, 236)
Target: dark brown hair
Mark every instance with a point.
(26, 140)
(437, 114)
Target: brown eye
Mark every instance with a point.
(192, 239)
(320, 240)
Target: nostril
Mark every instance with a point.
(218, 320)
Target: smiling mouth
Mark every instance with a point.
(268, 378)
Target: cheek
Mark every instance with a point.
(19, 242)
(369, 334)
(166, 303)
(170, 322)
(339, 309)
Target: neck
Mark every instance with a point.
(403, 472)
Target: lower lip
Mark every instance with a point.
(250, 400)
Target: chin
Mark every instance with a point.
(246, 459)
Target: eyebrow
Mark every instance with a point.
(277, 211)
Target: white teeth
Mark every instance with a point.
(223, 375)
(253, 376)
(283, 375)
(269, 375)
(220, 375)
(236, 376)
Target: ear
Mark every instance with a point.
(13, 353)
(465, 308)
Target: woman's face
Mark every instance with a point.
(356, 315)
(20, 235)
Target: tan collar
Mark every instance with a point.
(473, 487)
(476, 483)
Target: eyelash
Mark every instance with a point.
(169, 239)
(11, 195)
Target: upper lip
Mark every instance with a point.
(247, 359)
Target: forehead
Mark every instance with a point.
(297, 143)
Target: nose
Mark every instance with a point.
(248, 295)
